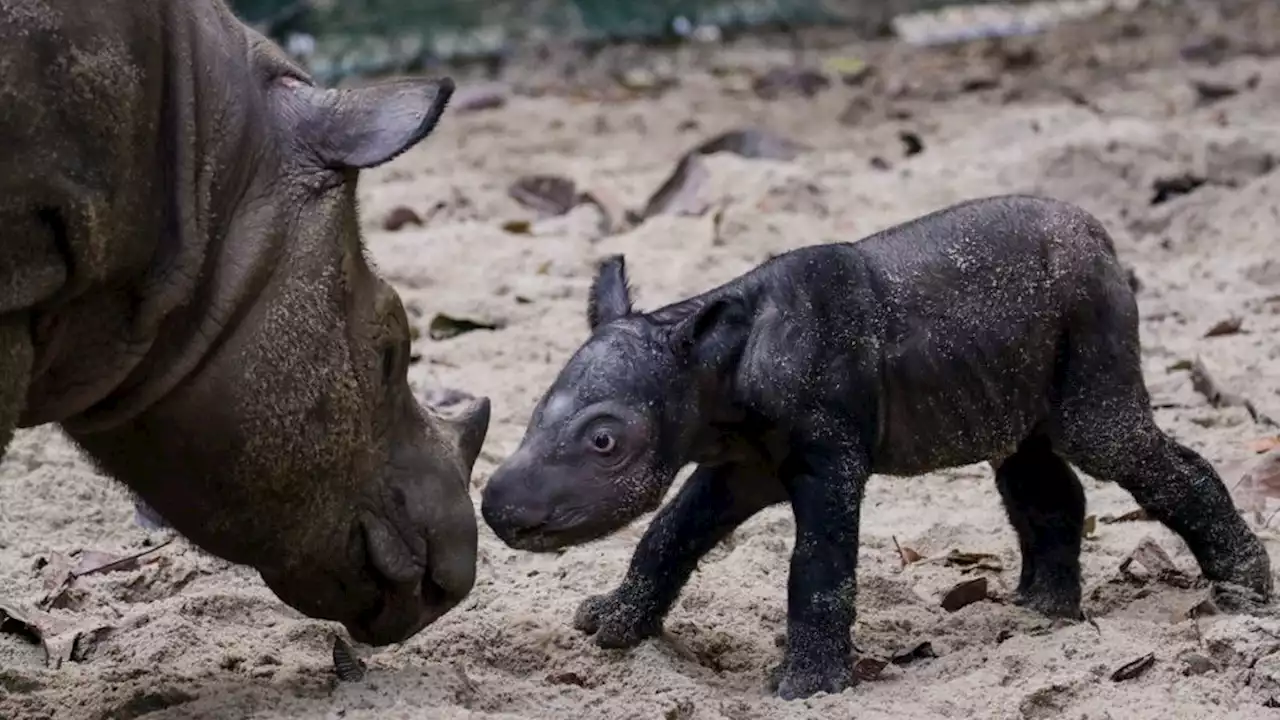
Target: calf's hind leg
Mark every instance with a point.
(1045, 504)
(713, 501)
(1104, 425)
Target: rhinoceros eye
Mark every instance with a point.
(602, 441)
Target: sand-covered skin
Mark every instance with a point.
(192, 637)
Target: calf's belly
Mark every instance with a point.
(976, 412)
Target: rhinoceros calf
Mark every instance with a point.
(1001, 329)
(183, 289)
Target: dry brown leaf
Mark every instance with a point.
(56, 636)
(965, 593)
(518, 227)
(444, 326)
(1090, 527)
(973, 561)
(1131, 516)
(1265, 444)
(348, 666)
(1259, 482)
(779, 81)
(920, 652)
(679, 193)
(869, 668)
(1202, 606)
(55, 572)
(906, 554)
(753, 144)
(549, 195)
(1134, 669)
(1226, 326)
(474, 98)
(1151, 556)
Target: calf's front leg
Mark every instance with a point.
(826, 487)
(713, 501)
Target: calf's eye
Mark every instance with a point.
(602, 441)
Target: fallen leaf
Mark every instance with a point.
(753, 144)
(16, 621)
(1208, 91)
(958, 558)
(1227, 326)
(55, 571)
(1202, 606)
(1167, 188)
(781, 81)
(965, 593)
(906, 554)
(348, 666)
(920, 652)
(475, 98)
(56, 636)
(1271, 702)
(1259, 482)
(1131, 516)
(518, 227)
(93, 561)
(1090, 527)
(90, 561)
(443, 326)
(911, 143)
(612, 214)
(1151, 556)
(868, 668)
(851, 70)
(399, 217)
(1197, 664)
(1265, 444)
(679, 193)
(1133, 669)
(443, 397)
(550, 195)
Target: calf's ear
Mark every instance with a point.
(715, 334)
(610, 294)
(367, 126)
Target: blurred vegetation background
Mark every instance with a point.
(339, 38)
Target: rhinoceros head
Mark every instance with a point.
(297, 447)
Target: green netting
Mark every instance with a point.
(365, 36)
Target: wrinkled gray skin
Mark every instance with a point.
(1001, 329)
(183, 288)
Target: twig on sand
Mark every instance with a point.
(1219, 397)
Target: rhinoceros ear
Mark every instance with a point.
(610, 294)
(714, 333)
(367, 126)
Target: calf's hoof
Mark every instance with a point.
(614, 623)
(1235, 598)
(1051, 603)
(793, 680)
(1247, 574)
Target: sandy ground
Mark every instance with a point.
(1100, 116)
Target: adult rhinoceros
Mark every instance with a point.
(183, 290)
